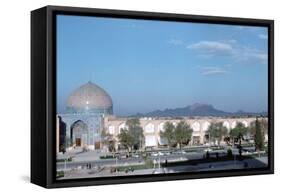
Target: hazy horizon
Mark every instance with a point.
(153, 65)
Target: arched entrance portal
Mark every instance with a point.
(79, 134)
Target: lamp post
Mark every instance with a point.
(65, 164)
(209, 140)
(159, 161)
(234, 156)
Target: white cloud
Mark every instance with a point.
(258, 56)
(231, 48)
(212, 70)
(211, 48)
(253, 29)
(251, 55)
(263, 36)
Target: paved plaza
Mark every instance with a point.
(87, 164)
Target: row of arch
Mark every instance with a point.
(197, 126)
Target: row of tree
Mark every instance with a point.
(176, 135)
(257, 131)
(132, 138)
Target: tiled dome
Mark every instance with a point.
(89, 98)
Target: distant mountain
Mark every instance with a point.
(196, 109)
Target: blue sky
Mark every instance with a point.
(149, 65)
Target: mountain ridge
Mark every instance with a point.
(196, 109)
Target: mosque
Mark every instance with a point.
(90, 109)
(82, 123)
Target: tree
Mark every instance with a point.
(259, 136)
(252, 129)
(136, 132)
(168, 133)
(66, 144)
(226, 139)
(237, 134)
(229, 153)
(217, 131)
(131, 137)
(263, 127)
(108, 140)
(183, 133)
(63, 146)
(126, 139)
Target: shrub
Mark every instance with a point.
(229, 153)
(207, 155)
(107, 157)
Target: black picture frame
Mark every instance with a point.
(43, 94)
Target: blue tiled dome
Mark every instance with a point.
(89, 98)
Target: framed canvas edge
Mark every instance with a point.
(51, 181)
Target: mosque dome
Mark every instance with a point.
(89, 98)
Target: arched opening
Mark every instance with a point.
(149, 128)
(111, 129)
(161, 127)
(226, 125)
(162, 141)
(233, 125)
(195, 126)
(206, 139)
(196, 140)
(79, 133)
(122, 126)
(245, 123)
(205, 126)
